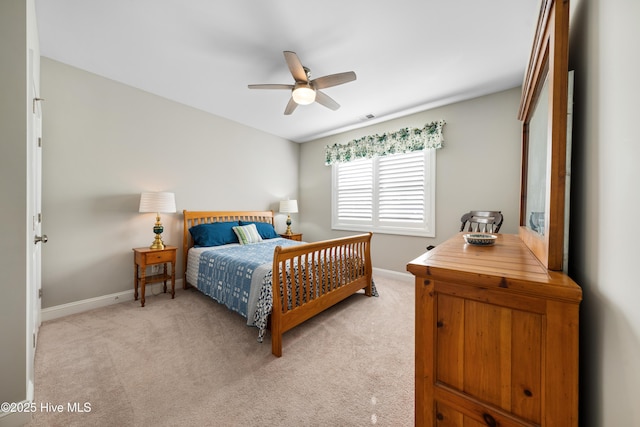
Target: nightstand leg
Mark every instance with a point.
(164, 273)
(135, 282)
(143, 280)
(173, 280)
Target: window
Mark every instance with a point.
(392, 194)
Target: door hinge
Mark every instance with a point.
(40, 293)
(34, 340)
(39, 142)
(39, 217)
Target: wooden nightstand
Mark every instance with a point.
(294, 236)
(144, 257)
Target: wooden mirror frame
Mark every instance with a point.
(549, 61)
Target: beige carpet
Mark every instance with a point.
(191, 362)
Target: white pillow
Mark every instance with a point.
(247, 234)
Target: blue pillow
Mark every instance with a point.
(214, 234)
(265, 229)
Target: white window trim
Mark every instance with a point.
(427, 229)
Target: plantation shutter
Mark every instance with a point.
(392, 194)
(401, 187)
(355, 191)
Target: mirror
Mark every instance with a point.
(543, 111)
(537, 183)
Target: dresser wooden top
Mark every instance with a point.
(506, 264)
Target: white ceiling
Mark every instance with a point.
(409, 55)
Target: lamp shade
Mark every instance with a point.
(157, 202)
(289, 206)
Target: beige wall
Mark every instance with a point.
(604, 252)
(478, 168)
(104, 143)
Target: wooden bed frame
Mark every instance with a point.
(345, 269)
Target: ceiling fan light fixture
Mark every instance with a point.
(303, 94)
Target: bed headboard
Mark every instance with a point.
(192, 218)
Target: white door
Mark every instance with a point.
(34, 215)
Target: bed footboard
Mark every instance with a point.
(310, 278)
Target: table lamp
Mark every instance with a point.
(289, 207)
(157, 202)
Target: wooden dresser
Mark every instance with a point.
(496, 337)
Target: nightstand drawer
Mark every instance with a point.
(294, 236)
(160, 256)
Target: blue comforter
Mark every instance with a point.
(240, 277)
(226, 274)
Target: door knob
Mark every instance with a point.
(43, 239)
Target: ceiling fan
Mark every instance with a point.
(305, 91)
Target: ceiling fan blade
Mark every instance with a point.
(326, 100)
(295, 66)
(290, 107)
(271, 86)
(334, 80)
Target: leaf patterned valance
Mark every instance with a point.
(405, 140)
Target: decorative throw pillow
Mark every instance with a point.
(265, 229)
(247, 234)
(214, 234)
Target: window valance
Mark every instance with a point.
(405, 140)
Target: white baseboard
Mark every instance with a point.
(75, 307)
(396, 275)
